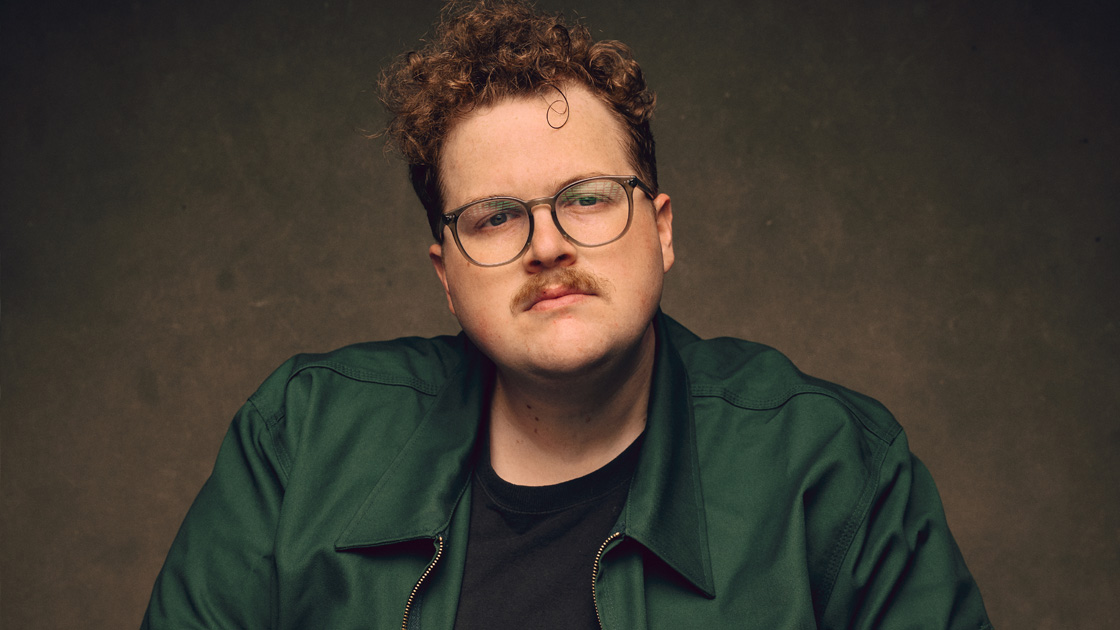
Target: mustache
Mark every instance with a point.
(577, 280)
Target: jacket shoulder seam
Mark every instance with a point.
(886, 435)
(273, 420)
(369, 376)
(272, 425)
(855, 520)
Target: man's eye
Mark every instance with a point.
(499, 216)
(583, 200)
(497, 219)
(591, 195)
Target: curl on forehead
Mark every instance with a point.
(553, 100)
(558, 109)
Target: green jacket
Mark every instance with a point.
(763, 498)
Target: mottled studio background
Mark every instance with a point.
(920, 200)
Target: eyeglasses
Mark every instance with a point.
(590, 213)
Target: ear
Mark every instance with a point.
(663, 207)
(435, 252)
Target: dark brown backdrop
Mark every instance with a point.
(918, 200)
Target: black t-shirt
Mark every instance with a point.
(531, 549)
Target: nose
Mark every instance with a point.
(548, 247)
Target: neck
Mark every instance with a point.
(545, 432)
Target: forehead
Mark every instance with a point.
(517, 147)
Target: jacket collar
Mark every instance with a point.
(416, 496)
(418, 493)
(665, 508)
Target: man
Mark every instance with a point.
(575, 458)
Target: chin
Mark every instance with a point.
(573, 350)
(560, 367)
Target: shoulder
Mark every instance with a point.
(781, 452)
(419, 364)
(344, 409)
(759, 381)
(360, 397)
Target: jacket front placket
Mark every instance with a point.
(664, 511)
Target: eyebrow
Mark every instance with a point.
(556, 188)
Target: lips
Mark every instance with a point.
(555, 289)
(555, 297)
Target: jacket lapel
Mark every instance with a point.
(665, 508)
(417, 495)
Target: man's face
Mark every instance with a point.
(560, 308)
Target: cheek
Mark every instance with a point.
(649, 275)
(480, 300)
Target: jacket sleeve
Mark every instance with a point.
(903, 569)
(219, 572)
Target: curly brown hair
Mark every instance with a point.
(494, 49)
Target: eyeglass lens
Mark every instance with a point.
(591, 213)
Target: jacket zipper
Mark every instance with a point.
(595, 576)
(420, 582)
